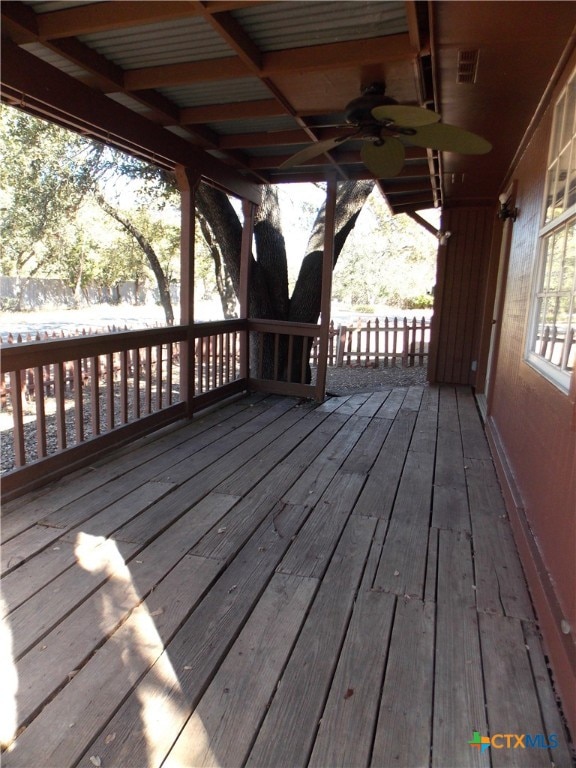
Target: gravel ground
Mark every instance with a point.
(347, 380)
(340, 381)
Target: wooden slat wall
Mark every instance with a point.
(532, 430)
(462, 268)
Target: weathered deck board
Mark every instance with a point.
(352, 704)
(404, 734)
(458, 682)
(403, 563)
(379, 492)
(221, 728)
(510, 692)
(287, 734)
(276, 584)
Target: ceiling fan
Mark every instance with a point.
(387, 127)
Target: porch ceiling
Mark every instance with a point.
(250, 83)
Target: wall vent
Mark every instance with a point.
(467, 66)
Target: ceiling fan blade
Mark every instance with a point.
(409, 117)
(313, 151)
(383, 160)
(449, 138)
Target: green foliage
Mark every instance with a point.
(49, 222)
(417, 302)
(387, 260)
(46, 174)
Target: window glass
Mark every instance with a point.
(552, 337)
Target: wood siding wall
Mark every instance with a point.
(532, 427)
(460, 287)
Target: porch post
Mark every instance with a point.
(326, 295)
(248, 209)
(188, 180)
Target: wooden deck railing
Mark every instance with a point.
(278, 341)
(86, 394)
(220, 365)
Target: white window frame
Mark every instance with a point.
(554, 223)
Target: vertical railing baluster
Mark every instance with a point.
(304, 359)
(124, 386)
(290, 357)
(136, 384)
(159, 376)
(169, 354)
(214, 360)
(40, 412)
(109, 374)
(148, 380)
(60, 394)
(95, 395)
(78, 401)
(18, 415)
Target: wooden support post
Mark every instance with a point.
(249, 210)
(188, 180)
(326, 296)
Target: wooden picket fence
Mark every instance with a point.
(388, 342)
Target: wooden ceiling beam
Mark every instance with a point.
(102, 17)
(233, 34)
(107, 76)
(354, 53)
(408, 185)
(187, 73)
(20, 22)
(292, 177)
(224, 6)
(275, 138)
(213, 113)
(412, 172)
(377, 50)
(99, 117)
(341, 158)
(416, 204)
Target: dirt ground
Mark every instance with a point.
(347, 380)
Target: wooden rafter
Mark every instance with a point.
(94, 115)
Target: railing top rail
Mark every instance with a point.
(30, 354)
(283, 326)
(213, 327)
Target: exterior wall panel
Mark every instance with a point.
(462, 269)
(531, 423)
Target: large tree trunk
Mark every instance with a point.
(269, 296)
(223, 281)
(305, 300)
(149, 252)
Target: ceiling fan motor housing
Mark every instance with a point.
(359, 111)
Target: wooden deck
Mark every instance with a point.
(278, 584)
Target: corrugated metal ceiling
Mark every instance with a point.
(217, 92)
(169, 42)
(54, 59)
(289, 24)
(148, 41)
(255, 125)
(47, 6)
